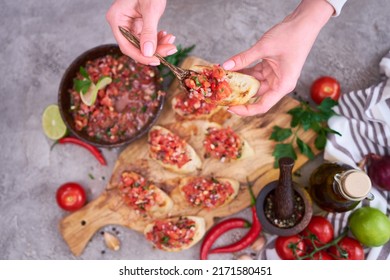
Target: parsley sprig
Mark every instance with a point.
(303, 117)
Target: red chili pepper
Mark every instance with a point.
(218, 230)
(249, 238)
(92, 149)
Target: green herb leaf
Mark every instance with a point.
(320, 141)
(91, 176)
(280, 134)
(84, 73)
(329, 130)
(296, 114)
(283, 150)
(304, 148)
(82, 85)
(327, 104)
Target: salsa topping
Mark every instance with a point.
(207, 192)
(168, 148)
(190, 105)
(222, 144)
(172, 234)
(138, 193)
(210, 85)
(124, 106)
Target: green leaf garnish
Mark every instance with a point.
(307, 118)
(82, 85)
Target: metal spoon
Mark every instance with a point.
(180, 73)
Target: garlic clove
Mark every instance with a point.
(244, 257)
(112, 242)
(259, 243)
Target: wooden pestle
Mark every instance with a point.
(284, 191)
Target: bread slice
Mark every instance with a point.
(192, 116)
(162, 206)
(247, 150)
(234, 183)
(243, 87)
(200, 229)
(194, 164)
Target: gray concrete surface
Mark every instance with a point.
(39, 39)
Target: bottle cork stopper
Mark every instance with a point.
(356, 184)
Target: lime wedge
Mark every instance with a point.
(89, 97)
(52, 123)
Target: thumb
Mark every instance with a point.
(244, 59)
(148, 38)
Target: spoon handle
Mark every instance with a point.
(178, 72)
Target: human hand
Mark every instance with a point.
(282, 51)
(141, 17)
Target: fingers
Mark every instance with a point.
(148, 36)
(243, 59)
(128, 49)
(262, 106)
(165, 44)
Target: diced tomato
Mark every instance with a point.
(137, 192)
(207, 192)
(168, 147)
(172, 234)
(223, 144)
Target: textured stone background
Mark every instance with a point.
(39, 39)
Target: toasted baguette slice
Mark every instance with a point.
(193, 116)
(243, 87)
(191, 166)
(234, 183)
(200, 229)
(247, 150)
(161, 206)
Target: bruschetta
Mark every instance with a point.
(224, 144)
(142, 195)
(175, 234)
(220, 87)
(171, 151)
(208, 192)
(190, 107)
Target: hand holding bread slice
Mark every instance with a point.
(218, 86)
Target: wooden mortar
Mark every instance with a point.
(283, 194)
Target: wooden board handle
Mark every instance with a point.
(78, 228)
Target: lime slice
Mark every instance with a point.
(89, 97)
(52, 123)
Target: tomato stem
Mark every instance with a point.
(334, 242)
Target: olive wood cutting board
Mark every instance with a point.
(108, 209)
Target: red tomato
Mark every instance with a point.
(325, 87)
(322, 255)
(348, 249)
(320, 230)
(71, 196)
(284, 247)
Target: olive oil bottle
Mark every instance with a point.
(339, 188)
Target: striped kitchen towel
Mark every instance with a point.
(364, 122)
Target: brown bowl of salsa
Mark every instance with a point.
(124, 110)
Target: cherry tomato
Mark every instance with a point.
(320, 230)
(322, 255)
(348, 249)
(284, 247)
(325, 87)
(71, 196)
